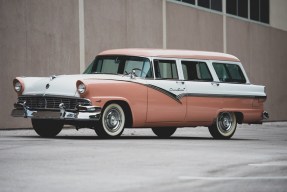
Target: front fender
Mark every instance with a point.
(133, 93)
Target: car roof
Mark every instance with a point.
(172, 53)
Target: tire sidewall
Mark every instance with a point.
(122, 114)
(232, 129)
(164, 132)
(47, 128)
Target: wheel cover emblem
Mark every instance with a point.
(113, 120)
(225, 122)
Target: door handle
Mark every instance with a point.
(180, 82)
(215, 84)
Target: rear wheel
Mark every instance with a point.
(47, 128)
(112, 122)
(224, 127)
(164, 132)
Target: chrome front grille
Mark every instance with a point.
(48, 102)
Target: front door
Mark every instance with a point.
(165, 93)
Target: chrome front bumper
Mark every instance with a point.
(80, 113)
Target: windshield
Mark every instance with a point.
(123, 65)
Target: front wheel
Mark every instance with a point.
(47, 128)
(224, 127)
(112, 122)
(164, 132)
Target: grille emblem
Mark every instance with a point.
(47, 86)
(41, 103)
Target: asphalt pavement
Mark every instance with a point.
(255, 159)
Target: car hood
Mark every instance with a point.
(62, 85)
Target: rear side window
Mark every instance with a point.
(229, 73)
(165, 69)
(196, 71)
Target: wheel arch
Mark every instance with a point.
(239, 117)
(127, 110)
(225, 127)
(238, 114)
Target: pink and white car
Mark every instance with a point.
(144, 88)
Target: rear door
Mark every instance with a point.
(200, 85)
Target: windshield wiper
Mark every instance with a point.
(104, 73)
(125, 73)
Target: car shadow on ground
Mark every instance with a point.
(133, 137)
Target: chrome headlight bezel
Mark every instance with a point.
(18, 87)
(81, 88)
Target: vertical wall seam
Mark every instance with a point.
(127, 13)
(164, 24)
(26, 34)
(224, 26)
(82, 35)
(248, 5)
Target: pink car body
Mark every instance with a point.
(146, 88)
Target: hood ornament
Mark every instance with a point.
(52, 77)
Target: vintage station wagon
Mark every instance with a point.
(144, 88)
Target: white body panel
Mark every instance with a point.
(65, 85)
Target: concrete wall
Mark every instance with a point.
(41, 37)
(127, 23)
(278, 14)
(37, 38)
(262, 51)
(191, 28)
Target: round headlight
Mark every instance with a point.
(17, 86)
(81, 88)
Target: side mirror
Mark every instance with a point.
(133, 74)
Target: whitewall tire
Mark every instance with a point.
(112, 121)
(224, 127)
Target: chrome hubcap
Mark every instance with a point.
(113, 119)
(225, 122)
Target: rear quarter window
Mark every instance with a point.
(229, 73)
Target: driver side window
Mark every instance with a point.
(142, 67)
